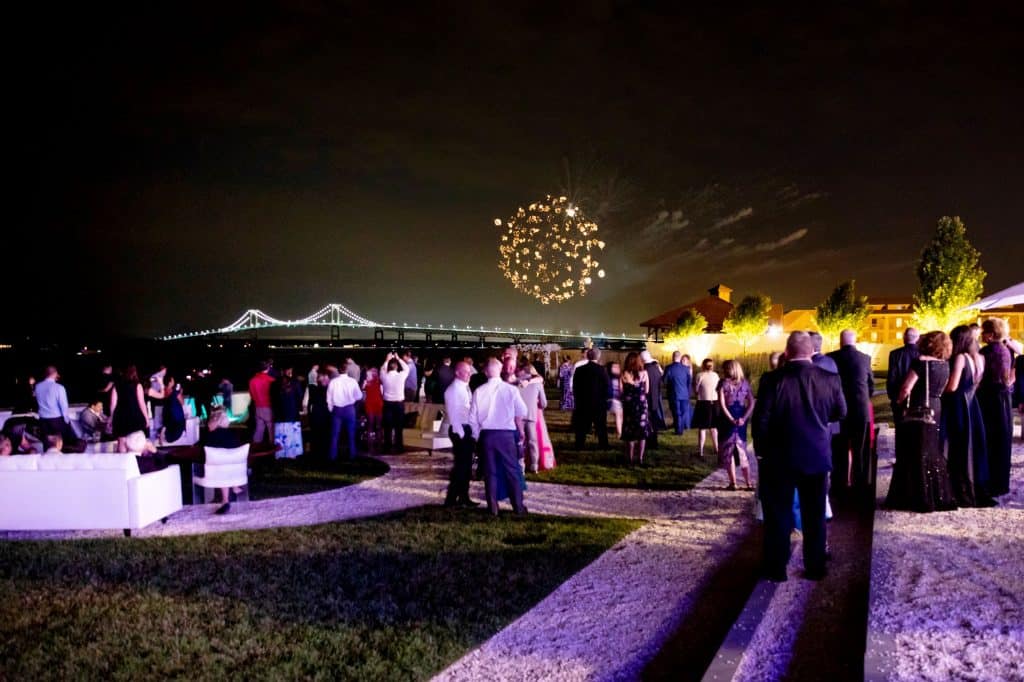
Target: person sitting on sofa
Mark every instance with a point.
(221, 436)
(5, 446)
(92, 421)
(54, 444)
(22, 440)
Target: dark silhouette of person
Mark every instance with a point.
(590, 392)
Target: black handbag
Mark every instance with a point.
(921, 413)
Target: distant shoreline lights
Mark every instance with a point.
(546, 250)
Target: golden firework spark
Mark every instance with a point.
(546, 249)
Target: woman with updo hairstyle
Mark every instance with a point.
(920, 478)
(995, 400)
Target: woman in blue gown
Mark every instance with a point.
(965, 430)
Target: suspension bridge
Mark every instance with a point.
(338, 318)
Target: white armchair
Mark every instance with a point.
(224, 468)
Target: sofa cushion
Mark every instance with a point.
(69, 462)
(123, 461)
(20, 463)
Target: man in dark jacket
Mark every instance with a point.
(851, 449)
(655, 410)
(678, 379)
(899, 368)
(590, 393)
(791, 432)
(444, 374)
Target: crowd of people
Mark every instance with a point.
(952, 404)
(348, 409)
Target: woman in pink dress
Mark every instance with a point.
(547, 451)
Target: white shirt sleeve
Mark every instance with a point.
(474, 417)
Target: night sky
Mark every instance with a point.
(188, 162)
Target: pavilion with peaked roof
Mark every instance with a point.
(715, 307)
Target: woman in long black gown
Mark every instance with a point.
(920, 480)
(994, 400)
(965, 431)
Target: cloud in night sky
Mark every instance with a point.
(783, 241)
(739, 215)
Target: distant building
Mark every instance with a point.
(890, 316)
(715, 307)
(887, 319)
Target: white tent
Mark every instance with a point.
(1002, 299)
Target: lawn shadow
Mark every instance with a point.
(423, 578)
(693, 645)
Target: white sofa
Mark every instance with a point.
(84, 492)
(427, 433)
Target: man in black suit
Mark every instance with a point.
(791, 433)
(851, 449)
(590, 393)
(445, 375)
(899, 368)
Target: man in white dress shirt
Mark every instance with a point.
(393, 373)
(496, 415)
(457, 399)
(342, 395)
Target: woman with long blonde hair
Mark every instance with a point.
(736, 401)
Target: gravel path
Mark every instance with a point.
(610, 619)
(947, 590)
(946, 595)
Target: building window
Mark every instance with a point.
(874, 321)
(874, 337)
(899, 322)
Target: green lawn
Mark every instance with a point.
(397, 597)
(673, 465)
(284, 477)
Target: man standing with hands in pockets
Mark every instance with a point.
(496, 415)
(457, 399)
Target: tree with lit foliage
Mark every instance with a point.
(843, 309)
(690, 324)
(749, 319)
(950, 278)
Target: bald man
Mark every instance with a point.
(899, 368)
(790, 424)
(457, 401)
(853, 463)
(496, 415)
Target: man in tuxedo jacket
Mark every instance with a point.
(590, 393)
(899, 368)
(791, 433)
(851, 449)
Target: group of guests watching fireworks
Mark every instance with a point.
(953, 402)
(631, 392)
